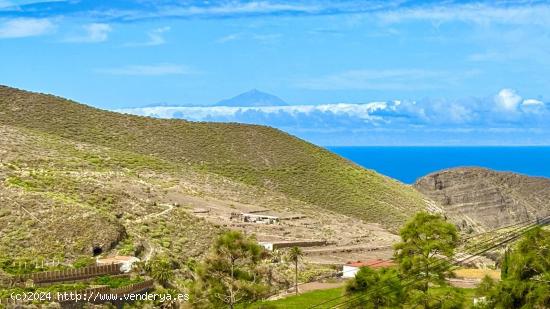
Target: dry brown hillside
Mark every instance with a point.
(486, 198)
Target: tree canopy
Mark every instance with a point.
(380, 288)
(525, 274)
(426, 241)
(231, 273)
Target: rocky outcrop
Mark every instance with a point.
(484, 199)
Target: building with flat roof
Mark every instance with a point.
(257, 218)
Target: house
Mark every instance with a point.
(259, 218)
(350, 269)
(126, 262)
(267, 245)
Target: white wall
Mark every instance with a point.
(267, 245)
(349, 271)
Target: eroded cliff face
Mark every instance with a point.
(483, 199)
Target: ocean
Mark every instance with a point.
(409, 163)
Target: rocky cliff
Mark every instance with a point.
(484, 199)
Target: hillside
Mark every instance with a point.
(487, 199)
(62, 200)
(253, 155)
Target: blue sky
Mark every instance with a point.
(463, 72)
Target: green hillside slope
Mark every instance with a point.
(255, 155)
(60, 199)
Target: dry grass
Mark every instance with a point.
(476, 273)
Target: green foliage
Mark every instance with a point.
(485, 286)
(126, 247)
(23, 265)
(505, 264)
(445, 297)
(116, 281)
(160, 268)
(377, 288)
(294, 256)
(425, 239)
(531, 257)
(83, 261)
(231, 273)
(305, 300)
(527, 275)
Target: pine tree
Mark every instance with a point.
(425, 239)
(381, 288)
(231, 273)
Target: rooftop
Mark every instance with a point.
(378, 263)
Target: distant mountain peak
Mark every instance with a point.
(253, 97)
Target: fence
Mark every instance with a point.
(71, 274)
(134, 288)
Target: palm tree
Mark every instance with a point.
(160, 269)
(294, 255)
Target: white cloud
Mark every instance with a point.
(16, 4)
(532, 102)
(229, 38)
(155, 36)
(507, 99)
(148, 70)
(490, 56)
(93, 33)
(479, 13)
(234, 8)
(209, 10)
(267, 38)
(389, 79)
(361, 111)
(25, 27)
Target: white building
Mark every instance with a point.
(259, 218)
(266, 245)
(350, 270)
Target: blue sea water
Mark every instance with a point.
(409, 163)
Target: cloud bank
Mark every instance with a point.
(92, 33)
(426, 121)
